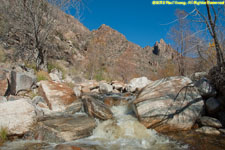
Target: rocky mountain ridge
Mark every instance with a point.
(103, 52)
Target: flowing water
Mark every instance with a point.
(124, 132)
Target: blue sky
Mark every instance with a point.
(139, 20)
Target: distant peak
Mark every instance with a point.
(162, 41)
(104, 26)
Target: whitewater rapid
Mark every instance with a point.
(125, 132)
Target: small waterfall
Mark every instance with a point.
(124, 132)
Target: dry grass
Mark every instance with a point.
(42, 75)
(2, 55)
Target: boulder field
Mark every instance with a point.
(60, 113)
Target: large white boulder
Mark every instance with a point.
(169, 104)
(17, 116)
(137, 84)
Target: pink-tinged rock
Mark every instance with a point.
(91, 84)
(85, 90)
(58, 96)
(118, 85)
(17, 116)
(169, 104)
(3, 83)
(96, 108)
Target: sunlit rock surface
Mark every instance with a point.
(17, 116)
(169, 104)
(58, 96)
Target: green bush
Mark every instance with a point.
(3, 134)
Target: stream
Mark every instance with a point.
(124, 132)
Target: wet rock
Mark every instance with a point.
(114, 101)
(137, 84)
(70, 147)
(58, 96)
(17, 116)
(105, 87)
(77, 91)
(212, 105)
(3, 83)
(204, 88)
(26, 145)
(208, 130)
(96, 108)
(64, 128)
(209, 121)
(76, 106)
(21, 81)
(169, 104)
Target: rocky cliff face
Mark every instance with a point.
(124, 59)
(164, 50)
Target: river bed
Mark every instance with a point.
(125, 132)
